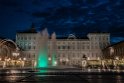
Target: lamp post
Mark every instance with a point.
(55, 63)
(84, 61)
(24, 59)
(67, 61)
(15, 55)
(0, 61)
(111, 56)
(116, 61)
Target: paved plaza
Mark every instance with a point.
(60, 75)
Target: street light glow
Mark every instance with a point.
(49, 58)
(55, 63)
(24, 59)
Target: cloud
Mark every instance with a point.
(9, 3)
(36, 2)
(41, 14)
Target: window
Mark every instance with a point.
(25, 38)
(92, 47)
(63, 47)
(91, 38)
(103, 38)
(96, 47)
(99, 38)
(63, 42)
(95, 38)
(78, 47)
(18, 38)
(59, 47)
(73, 47)
(34, 55)
(34, 47)
(83, 47)
(73, 42)
(29, 56)
(29, 38)
(68, 47)
(29, 47)
(88, 47)
(21, 38)
(34, 38)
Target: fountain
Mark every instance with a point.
(42, 59)
(54, 59)
(54, 63)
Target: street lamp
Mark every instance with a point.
(49, 58)
(24, 59)
(84, 61)
(15, 54)
(117, 58)
(111, 54)
(111, 51)
(20, 59)
(55, 63)
(88, 58)
(0, 61)
(24, 62)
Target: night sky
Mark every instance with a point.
(63, 16)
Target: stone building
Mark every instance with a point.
(115, 51)
(65, 50)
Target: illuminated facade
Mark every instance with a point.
(115, 51)
(65, 50)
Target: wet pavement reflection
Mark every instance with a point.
(58, 76)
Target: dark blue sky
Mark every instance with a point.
(63, 16)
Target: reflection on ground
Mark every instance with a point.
(58, 75)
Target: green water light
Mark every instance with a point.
(53, 59)
(42, 59)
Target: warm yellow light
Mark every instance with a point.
(116, 58)
(20, 59)
(98, 58)
(24, 58)
(88, 58)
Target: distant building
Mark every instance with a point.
(115, 51)
(67, 50)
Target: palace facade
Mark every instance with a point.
(66, 50)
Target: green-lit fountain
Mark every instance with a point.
(53, 56)
(44, 52)
(54, 59)
(42, 59)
